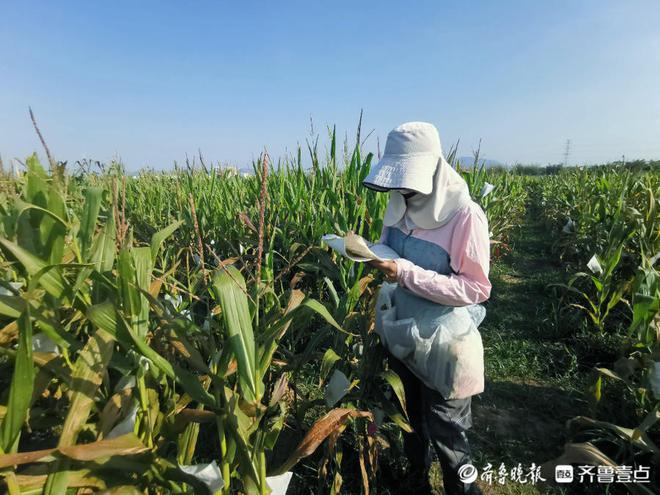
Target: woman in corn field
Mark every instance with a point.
(436, 287)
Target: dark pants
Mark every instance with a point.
(439, 425)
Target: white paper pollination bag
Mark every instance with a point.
(440, 344)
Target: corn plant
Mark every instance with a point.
(353, 376)
(605, 443)
(612, 213)
(102, 330)
(580, 208)
(502, 197)
(608, 290)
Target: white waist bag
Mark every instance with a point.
(440, 345)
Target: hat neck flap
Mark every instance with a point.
(429, 211)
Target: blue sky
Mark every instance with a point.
(151, 81)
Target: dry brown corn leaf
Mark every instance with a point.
(324, 427)
(127, 444)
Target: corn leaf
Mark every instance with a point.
(50, 277)
(103, 250)
(87, 376)
(93, 196)
(127, 444)
(159, 237)
(22, 384)
(105, 316)
(229, 286)
(319, 431)
(322, 311)
(11, 306)
(329, 359)
(143, 267)
(397, 385)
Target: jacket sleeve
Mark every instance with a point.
(470, 261)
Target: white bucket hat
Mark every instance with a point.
(413, 161)
(411, 156)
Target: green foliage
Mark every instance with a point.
(609, 216)
(148, 287)
(81, 282)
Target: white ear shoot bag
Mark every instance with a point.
(441, 345)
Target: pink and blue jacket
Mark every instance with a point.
(448, 265)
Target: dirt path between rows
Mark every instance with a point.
(532, 384)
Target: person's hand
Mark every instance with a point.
(388, 267)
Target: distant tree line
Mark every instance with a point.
(554, 169)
